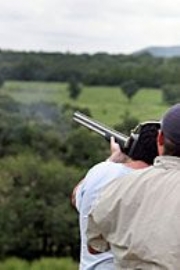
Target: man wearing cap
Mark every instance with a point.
(138, 216)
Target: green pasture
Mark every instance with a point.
(107, 104)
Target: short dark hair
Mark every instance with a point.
(170, 148)
(146, 146)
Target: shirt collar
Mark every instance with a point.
(167, 162)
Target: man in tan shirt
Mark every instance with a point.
(138, 215)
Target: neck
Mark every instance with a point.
(137, 164)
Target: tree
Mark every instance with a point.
(74, 88)
(171, 93)
(36, 217)
(129, 88)
(83, 148)
(1, 80)
(128, 123)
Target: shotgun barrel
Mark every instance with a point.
(100, 128)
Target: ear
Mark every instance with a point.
(160, 138)
(160, 142)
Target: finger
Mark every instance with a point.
(112, 140)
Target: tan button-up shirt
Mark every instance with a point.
(139, 216)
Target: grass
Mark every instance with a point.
(107, 104)
(28, 92)
(42, 264)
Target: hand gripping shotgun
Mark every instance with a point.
(101, 129)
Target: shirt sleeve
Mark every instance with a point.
(99, 221)
(95, 178)
(79, 195)
(103, 216)
(111, 207)
(95, 239)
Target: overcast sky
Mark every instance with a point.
(88, 26)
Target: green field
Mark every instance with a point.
(107, 104)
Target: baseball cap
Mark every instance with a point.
(171, 124)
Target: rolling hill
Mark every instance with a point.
(160, 51)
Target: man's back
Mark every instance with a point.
(146, 206)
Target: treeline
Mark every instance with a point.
(96, 69)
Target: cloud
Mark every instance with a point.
(88, 25)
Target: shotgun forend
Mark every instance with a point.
(101, 129)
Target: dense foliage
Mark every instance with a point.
(42, 157)
(96, 69)
(171, 93)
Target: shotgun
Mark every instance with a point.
(127, 143)
(100, 128)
